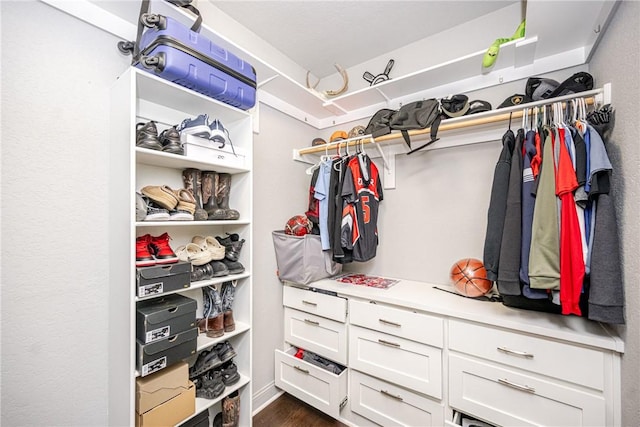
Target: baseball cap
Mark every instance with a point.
(579, 82)
(318, 141)
(455, 106)
(356, 131)
(538, 88)
(338, 135)
(478, 106)
(513, 100)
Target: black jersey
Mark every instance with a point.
(362, 194)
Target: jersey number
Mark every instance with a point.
(366, 210)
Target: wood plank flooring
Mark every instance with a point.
(287, 411)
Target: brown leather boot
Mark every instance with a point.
(209, 200)
(231, 410)
(203, 325)
(215, 326)
(229, 324)
(223, 188)
(192, 180)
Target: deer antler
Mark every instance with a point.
(329, 93)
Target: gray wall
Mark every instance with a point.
(617, 60)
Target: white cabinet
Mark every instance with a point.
(139, 97)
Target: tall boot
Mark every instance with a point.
(209, 183)
(231, 410)
(222, 196)
(192, 179)
(215, 321)
(228, 293)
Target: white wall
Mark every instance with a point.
(56, 74)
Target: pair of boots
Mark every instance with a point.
(230, 415)
(211, 191)
(217, 312)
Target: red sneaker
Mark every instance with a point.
(161, 249)
(144, 258)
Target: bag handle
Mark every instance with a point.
(434, 132)
(186, 4)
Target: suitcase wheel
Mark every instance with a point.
(150, 20)
(126, 48)
(153, 62)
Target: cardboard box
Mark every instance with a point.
(158, 279)
(158, 355)
(162, 317)
(161, 387)
(170, 412)
(208, 151)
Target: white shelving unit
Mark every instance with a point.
(137, 97)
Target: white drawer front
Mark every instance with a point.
(318, 387)
(555, 359)
(325, 337)
(390, 405)
(397, 360)
(316, 303)
(512, 397)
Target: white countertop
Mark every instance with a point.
(424, 297)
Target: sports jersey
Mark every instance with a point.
(362, 194)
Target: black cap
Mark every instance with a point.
(513, 100)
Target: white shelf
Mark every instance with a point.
(205, 342)
(201, 284)
(176, 161)
(192, 223)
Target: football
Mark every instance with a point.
(298, 225)
(469, 278)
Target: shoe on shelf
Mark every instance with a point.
(162, 195)
(202, 272)
(197, 127)
(141, 207)
(147, 136)
(210, 385)
(215, 326)
(231, 410)
(219, 269)
(218, 133)
(225, 351)
(193, 253)
(222, 194)
(217, 420)
(234, 267)
(170, 140)
(155, 212)
(228, 294)
(210, 244)
(232, 245)
(144, 257)
(229, 373)
(208, 359)
(161, 249)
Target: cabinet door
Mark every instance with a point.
(512, 397)
(397, 360)
(325, 337)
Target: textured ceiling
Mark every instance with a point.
(317, 34)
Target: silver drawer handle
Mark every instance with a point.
(516, 352)
(312, 322)
(517, 386)
(394, 396)
(309, 303)
(387, 322)
(389, 343)
(296, 367)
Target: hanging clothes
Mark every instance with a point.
(338, 169)
(321, 194)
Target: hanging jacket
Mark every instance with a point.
(498, 206)
(509, 266)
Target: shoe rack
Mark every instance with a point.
(137, 97)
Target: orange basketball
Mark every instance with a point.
(469, 277)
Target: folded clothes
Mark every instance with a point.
(320, 361)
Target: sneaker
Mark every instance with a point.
(170, 140)
(147, 136)
(218, 133)
(162, 195)
(208, 359)
(155, 212)
(229, 373)
(210, 244)
(160, 248)
(211, 385)
(197, 127)
(194, 254)
(225, 351)
(232, 244)
(219, 269)
(202, 272)
(234, 267)
(141, 207)
(144, 258)
(185, 208)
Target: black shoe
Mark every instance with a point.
(232, 245)
(218, 268)
(206, 360)
(170, 140)
(147, 136)
(211, 385)
(225, 351)
(202, 272)
(234, 267)
(229, 373)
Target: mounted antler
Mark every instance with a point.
(329, 93)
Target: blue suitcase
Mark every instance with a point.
(181, 55)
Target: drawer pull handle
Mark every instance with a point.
(298, 368)
(309, 303)
(389, 343)
(517, 386)
(312, 322)
(387, 322)
(516, 352)
(394, 396)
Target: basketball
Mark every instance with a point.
(469, 278)
(298, 225)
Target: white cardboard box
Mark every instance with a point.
(208, 151)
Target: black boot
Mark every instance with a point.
(192, 179)
(222, 196)
(209, 184)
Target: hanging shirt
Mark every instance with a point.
(362, 193)
(322, 195)
(571, 260)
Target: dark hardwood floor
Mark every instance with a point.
(287, 411)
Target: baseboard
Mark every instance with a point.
(266, 395)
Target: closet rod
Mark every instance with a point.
(488, 117)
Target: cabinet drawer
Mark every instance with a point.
(397, 360)
(399, 322)
(390, 405)
(316, 303)
(511, 397)
(572, 363)
(325, 337)
(316, 386)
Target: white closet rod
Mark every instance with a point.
(595, 96)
